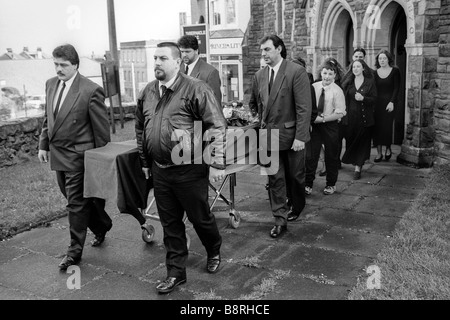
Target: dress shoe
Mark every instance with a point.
(98, 239)
(388, 156)
(277, 231)
(378, 159)
(213, 263)
(67, 262)
(292, 216)
(357, 175)
(169, 284)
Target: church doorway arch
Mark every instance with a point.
(397, 47)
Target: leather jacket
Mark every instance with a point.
(174, 121)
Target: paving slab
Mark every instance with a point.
(357, 221)
(320, 257)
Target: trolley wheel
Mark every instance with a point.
(235, 219)
(148, 232)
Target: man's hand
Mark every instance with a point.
(43, 156)
(216, 175)
(298, 145)
(147, 173)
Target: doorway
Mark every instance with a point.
(397, 47)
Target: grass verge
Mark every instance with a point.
(30, 196)
(415, 263)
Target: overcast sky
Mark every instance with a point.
(84, 23)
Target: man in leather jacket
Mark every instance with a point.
(176, 115)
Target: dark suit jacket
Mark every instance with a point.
(81, 124)
(288, 107)
(206, 72)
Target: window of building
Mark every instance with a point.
(216, 13)
(231, 11)
(223, 13)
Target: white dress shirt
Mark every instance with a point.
(192, 66)
(168, 84)
(275, 69)
(334, 98)
(66, 90)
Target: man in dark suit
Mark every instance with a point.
(195, 67)
(281, 95)
(75, 120)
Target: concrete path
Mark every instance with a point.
(320, 257)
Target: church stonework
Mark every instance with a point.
(416, 32)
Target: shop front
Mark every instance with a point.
(226, 56)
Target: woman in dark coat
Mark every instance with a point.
(360, 95)
(387, 80)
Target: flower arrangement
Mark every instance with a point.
(238, 114)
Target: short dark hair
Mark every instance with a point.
(276, 42)
(67, 52)
(359, 49)
(176, 53)
(188, 42)
(387, 54)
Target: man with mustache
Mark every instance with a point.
(75, 120)
(169, 112)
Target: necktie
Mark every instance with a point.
(163, 90)
(187, 69)
(271, 80)
(321, 104)
(55, 112)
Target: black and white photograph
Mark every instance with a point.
(228, 158)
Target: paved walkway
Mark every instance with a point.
(320, 257)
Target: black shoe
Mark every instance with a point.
(213, 263)
(67, 262)
(98, 239)
(388, 156)
(322, 173)
(277, 231)
(357, 175)
(378, 159)
(169, 284)
(292, 216)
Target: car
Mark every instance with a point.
(36, 102)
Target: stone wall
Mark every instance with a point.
(19, 139)
(442, 78)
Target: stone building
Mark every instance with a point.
(417, 32)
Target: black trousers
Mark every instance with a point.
(327, 134)
(177, 190)
(290, 176)
(83, 212)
